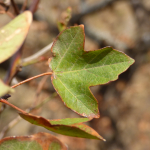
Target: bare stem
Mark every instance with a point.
(38, 54)
(34, 6)
(34, 61)
(7, 12)
(24, 5)
(43, 102)
(39, 89)
(15, 7)
(40, 75)
(9, 126)
(6, 102)
(17, 119)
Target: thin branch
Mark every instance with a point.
(5, 4)
(38, 54)
(11, 105)
(18, 118)
(34, 61)
(40, 75)
(41, 84)
(14, 66)
(7, 12)
(24, 5)
(34, 6)
(43, 102)
(16, 9)
(39, 88)
(9, 126)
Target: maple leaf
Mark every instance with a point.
(75, 70)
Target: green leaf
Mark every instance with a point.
(75, 70)
(68, 121)
(4, 89)
(13, 35)
(70, 126)
(39, 141)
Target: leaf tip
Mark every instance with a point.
(101, 138)
(82, 26)
(98, 115)
(28, 15)
(91, 116)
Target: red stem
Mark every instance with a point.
(6, 102)
(20, 110)
(40, 75)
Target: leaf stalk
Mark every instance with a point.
(11, 105)
(40, 75)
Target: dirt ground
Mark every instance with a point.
(124, 104)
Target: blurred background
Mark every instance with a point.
(124, 104)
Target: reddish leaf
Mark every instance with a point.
(70, 126)
(39, 141)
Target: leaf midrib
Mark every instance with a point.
(66, 51)
(60, 72)
(74, 95)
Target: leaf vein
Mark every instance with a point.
(91, 68)
(74, 95)
(66, 51)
